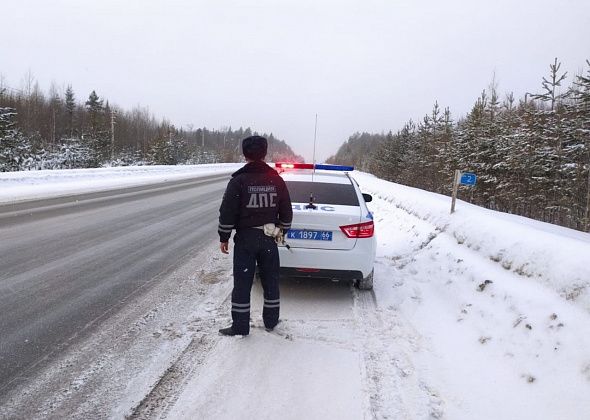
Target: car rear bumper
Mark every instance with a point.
(321, 273)
(360, 259)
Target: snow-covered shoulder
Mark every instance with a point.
(31, 185)
(553, 255)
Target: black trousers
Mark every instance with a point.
(253, 247)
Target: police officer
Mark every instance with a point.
(255, 196)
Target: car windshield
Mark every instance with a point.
(324, 193)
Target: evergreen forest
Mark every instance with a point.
(56, 130)
(531, 155)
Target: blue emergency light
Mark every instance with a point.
(334, 167)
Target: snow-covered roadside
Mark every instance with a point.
(484, 341)
(112, 370)
(309, 367)
(29, 185)
(448, 333)
(554, 256)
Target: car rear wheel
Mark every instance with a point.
(366, 283)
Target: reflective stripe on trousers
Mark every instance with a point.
(252, 248)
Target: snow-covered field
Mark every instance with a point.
(475, 315)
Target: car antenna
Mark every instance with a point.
(315, 136)
(311, 205)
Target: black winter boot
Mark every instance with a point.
(229, 331)
(269, 328)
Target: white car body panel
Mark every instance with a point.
(325, 217)
(342, 254)
(361, 258)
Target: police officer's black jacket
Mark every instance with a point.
(255, 195)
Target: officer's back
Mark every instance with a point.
(255, 196)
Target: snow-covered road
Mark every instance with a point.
(309, 368)
(447, 333)
(478, 315)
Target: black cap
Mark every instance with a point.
(254, 147)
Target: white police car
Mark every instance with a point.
(332, 233)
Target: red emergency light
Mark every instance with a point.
(285, 165)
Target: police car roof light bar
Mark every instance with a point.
(286, 165)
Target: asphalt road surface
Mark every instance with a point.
(67, 264)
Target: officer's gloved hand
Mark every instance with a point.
(280, 238)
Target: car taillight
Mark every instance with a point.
(360, 230)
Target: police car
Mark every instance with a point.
(332, 234)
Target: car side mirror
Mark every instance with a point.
(368, 198)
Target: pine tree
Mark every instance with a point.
(488, 154)
(507, 146)
(94, 108)
(472, 145)
(7, 123)
(98, 138)
(70, 105)
(379, 164)
(446, 154)
(434, 136)
(551, 136)
(578, 150)
(15, 149)
(410, 154)
(161, 152)
(74, 154)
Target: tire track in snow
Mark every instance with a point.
(395, 388)
(162, 397)
(165, 392)
(111, 370)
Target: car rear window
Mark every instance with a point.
(323, 193)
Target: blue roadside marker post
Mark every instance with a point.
(468, 178)
(461, 178)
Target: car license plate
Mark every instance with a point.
(313, 235)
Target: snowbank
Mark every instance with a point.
(29, 185)
(553, 255)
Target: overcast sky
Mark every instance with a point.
(366, 65)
